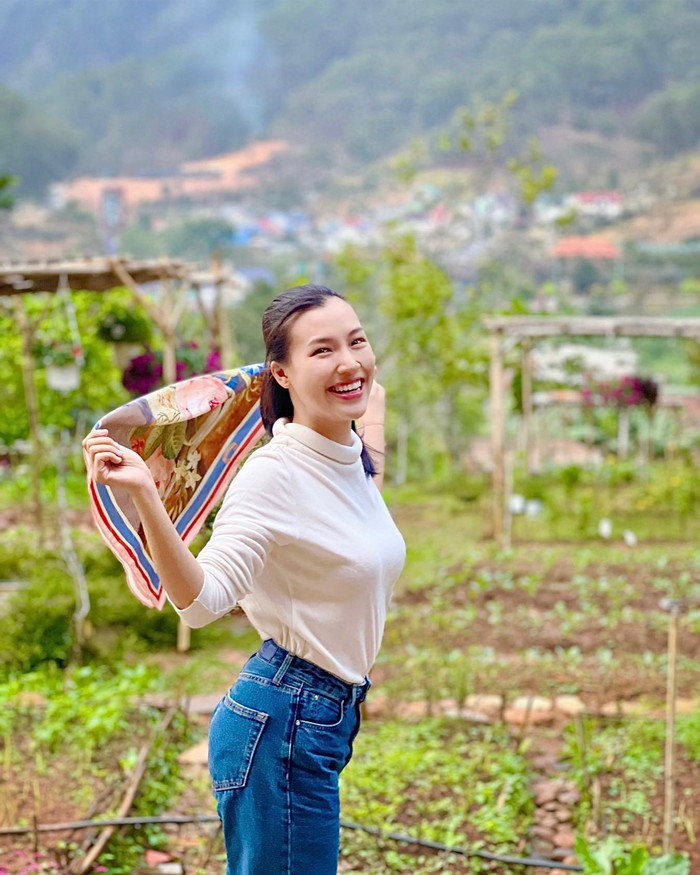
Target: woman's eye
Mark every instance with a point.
(359, 340)
(321, 349)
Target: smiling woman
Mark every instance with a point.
(305, 545)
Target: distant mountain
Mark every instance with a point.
(140, 86)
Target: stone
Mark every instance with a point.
(564, 840)
(155, 858)
(376, 706)
(487, 704)
(532, 703)
(563, 815)
(544, 762)
(195, 756)
(203, 704)
(569, 705)
(569, 797)
(411, 710)
(545, 791)
(542, 832)
(30, 699)
(521, 717)
(540, 847)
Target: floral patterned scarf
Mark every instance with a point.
(193, 436)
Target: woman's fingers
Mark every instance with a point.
(102, 454)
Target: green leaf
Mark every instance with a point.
(669, 864)
(590, 864)
(153, 441)
(174, 439)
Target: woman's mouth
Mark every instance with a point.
(348, 390)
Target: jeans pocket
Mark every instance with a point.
(319, 712)
(234, 734)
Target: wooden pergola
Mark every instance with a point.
(175, 280)
(527, 329)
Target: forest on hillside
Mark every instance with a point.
(138, 87)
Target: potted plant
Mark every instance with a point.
(62, 360)
(128, 329)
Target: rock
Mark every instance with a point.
(569, 797)
(195, 756)
(532, 703)
(411, 710)
(561, 854)
(154, 858)
(485, 703)
(376, 706)
(520, 717)
(542, 832)
(540, 847)
(544, 762)
(569, 705)
(203, 704)
(687, 706)
(546, 791)
(564, 840)
(563, 815)
(30, 699)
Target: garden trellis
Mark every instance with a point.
(528, 329)
(173, 281)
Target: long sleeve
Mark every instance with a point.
(257, 514)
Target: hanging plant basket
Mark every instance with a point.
(63, 378)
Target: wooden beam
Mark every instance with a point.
(593, 326)
(83, 274)
(526, 401)
(32, 402)
(498, 437)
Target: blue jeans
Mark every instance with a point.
(278, 741)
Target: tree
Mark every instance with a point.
(431, 359)
(6, 182)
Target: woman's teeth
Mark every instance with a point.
(350, 387)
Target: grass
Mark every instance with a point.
(544, 617)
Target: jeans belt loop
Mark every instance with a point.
(282, 670)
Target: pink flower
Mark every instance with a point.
(200, 395)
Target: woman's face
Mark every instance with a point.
(329, 369)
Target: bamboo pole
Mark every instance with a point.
(526, 401)
(85, 863)
(670, 753)
(497, 436)
(32, 402)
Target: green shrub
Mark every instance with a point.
(612, 858)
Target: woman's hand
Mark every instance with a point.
(111, 463)
(376, 405)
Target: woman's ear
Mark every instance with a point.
(279, 374)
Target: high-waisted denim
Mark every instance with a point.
(278, 741)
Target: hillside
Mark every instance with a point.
(139, 87)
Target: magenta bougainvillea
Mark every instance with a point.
(623, 392)
(144, 372)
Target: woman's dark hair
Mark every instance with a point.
(277, 320)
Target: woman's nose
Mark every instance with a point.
(348, 361)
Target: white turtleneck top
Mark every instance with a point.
(304, 543)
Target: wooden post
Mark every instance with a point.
(227, 348)
(526, 401)
(32, 411)
(497, 436)
(670, 755)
